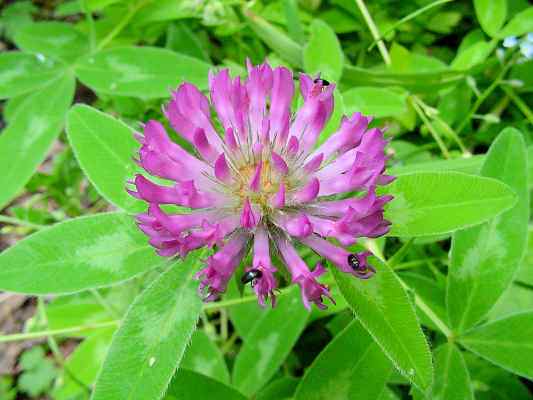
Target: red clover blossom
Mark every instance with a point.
(263, 185)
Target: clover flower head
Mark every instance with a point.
(259, 183)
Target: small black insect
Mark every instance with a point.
(251, 276)
(353, 262)
(323, 81)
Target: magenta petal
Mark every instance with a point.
(347, 137)
(280, 103)
(230, 139)
(222, 171)
(162, 157)
(255, 181)
(279, 164)
(329, 228)
(296, 225)
(257, 150)
(314, 113)
(202, 145)
(188, 111)
(292, 147)
(220, 266)
(309, 192)
(264, 287)
(278, 201)
(153, 193)
(311, 290)
(339, 257)
(249, 217)
(314, 164)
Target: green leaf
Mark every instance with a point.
(405, 62)
(472, 56)
(506, 342)
(165, 10)
(340, 21)
(244, 316)
(180, 37)
(470, 165)
(104, 147)
(351, 366)
(378, 102)
(422, 82)
(188, 385)
(269, 342)
(59, 40)
(491, 15)
(432, 203)
(30, 134)
(323, 53)
(525, 274)
(15, 16)
(294, 26)
(64, 316)
(485, 258)
(431, 293)
(288, 49)
(21, 73)
(493, 383)
(145, 72)
(520, 24)
(77, 254)
(84, 364)
(281, 388)
(204, 357)
(149, 346)
(383, 308)
(336, 117)
(276, 39)
(452, 381)
(516, 298)
(39, 372)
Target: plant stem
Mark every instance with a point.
(521, 104)
(240, 300)
(122, 24)
(445, 126)
(433, 317)
(413, 100)
(430, 314)
(90, 22)
(112, 311)
(56, 332)
(401, 253)
(229, 343)
(52, 343)
(486, 93)
(224, 324)
(374, 31)
(408, 18)
(414, 263)
(15, 221)
(386, 58)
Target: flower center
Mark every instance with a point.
(267, 183)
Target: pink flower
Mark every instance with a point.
(261, 184)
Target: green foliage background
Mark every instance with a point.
(449, 315)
